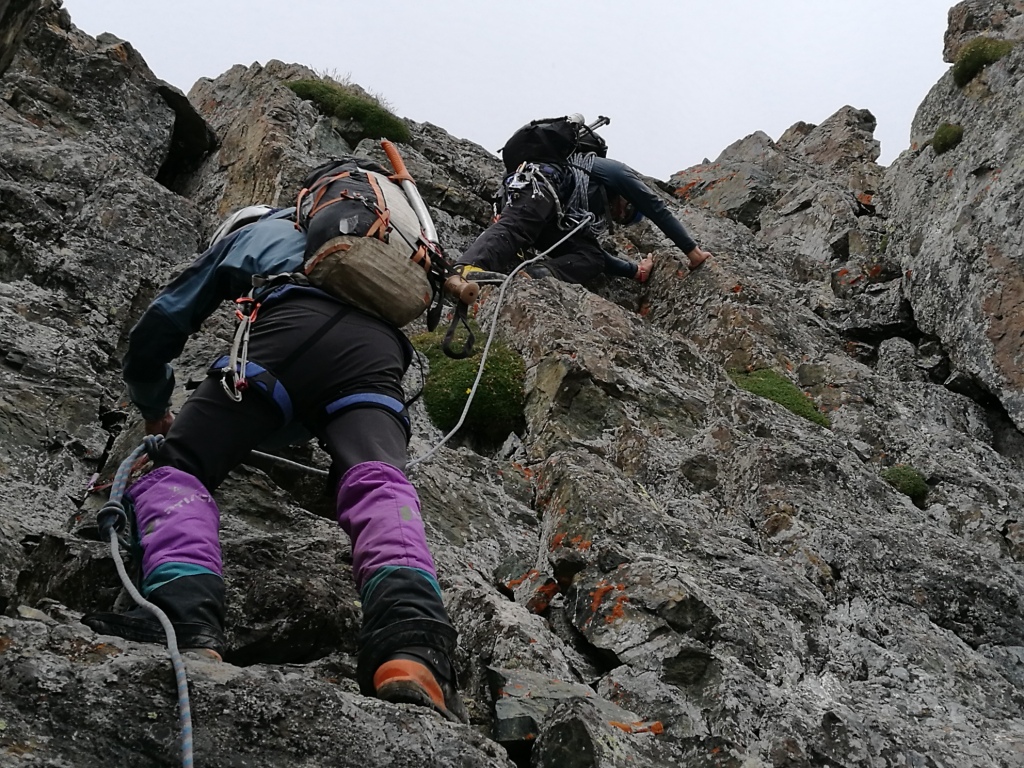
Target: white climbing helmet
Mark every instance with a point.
(239, 219)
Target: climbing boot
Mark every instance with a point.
(422, 676)
(538, 271)
(194, 605)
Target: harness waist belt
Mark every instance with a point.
(262, 379)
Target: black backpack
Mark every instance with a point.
(550, 140)
(363, 241)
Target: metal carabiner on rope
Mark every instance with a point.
(233, 381)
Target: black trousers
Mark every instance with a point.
(320, 351)
(356, 354)
(530, 220)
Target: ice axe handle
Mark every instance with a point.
(401, 172)
(464, 291)
(403, 176)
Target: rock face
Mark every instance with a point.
(15, 17)
(663, 569)
(1001, 20)
(964, 254)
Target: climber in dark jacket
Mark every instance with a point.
(535, 198)
(630, 199)
(313, 361)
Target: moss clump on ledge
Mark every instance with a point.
(908, 481)
(497, 407)
(976, 55)
(774, 386)
(335, 100)
(946, 137)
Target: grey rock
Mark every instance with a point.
(666, 546)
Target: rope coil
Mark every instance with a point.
(112, 520)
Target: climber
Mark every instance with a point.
(335, 370)
(629, 200)
(538, 199)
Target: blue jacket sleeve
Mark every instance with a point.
(224, 272)
(622, 180)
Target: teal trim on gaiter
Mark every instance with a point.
(168, 572)
(387, 570)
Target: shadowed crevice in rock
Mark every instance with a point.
(192, 140)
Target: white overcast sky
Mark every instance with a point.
(680, 79)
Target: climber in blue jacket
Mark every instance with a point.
(314, 361)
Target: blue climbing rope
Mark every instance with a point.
(112, 520)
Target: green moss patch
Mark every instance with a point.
(908, 481)
(335, 100)
(497, 407)
(976, 55)
(946, 137)
(774, 386)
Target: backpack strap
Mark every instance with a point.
(319, 190)
(380, 227)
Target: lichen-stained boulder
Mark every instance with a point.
(578, 734)
(880, 312)
(1000, 19)
(805, 195)
(585, 523)
(97, 91)
(66, 692)
(15, 17)
(962, 252)
(747, 176)
(269, 138)
(810, 226)
(844, 144)
(524, 702)
(829, 214)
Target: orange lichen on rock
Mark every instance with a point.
(639, 727)
(541, 598)
(531, 574)
(599, 594)
(617, 611)
(684, 190)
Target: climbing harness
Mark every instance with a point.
(112, 521)
(235, 368)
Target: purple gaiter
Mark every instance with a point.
(178, 522)
(379, 510)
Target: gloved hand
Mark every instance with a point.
(159, 426)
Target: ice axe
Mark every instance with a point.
(464, 291)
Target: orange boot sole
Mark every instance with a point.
(404, 680)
